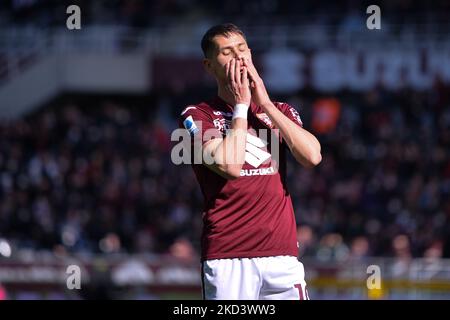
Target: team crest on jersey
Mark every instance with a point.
(265, 118)
(222, 124)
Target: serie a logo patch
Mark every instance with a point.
(190, 126)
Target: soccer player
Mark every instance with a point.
(249, 246)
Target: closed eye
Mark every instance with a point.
(242, 47)
(227, 50)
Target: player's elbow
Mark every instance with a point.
(311, 160)
(233, 172)
(314, 156)
(229, 172)
(316, 159)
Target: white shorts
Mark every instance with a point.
(265, 278)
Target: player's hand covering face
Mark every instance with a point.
(228, 48)
(258, 89)
(237, 81)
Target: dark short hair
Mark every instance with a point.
(225, 29)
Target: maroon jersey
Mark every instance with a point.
(251, 216)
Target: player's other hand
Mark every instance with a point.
(258, 89)
(238, 81)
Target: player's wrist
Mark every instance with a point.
(240, 110)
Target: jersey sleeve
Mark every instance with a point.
(290, 112)
(199, 124)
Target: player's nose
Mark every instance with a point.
(237, 55)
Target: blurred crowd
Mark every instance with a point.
(98, 179)
(95, 175)
(383, 186)
(141, 13)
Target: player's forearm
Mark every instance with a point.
(303, 145)
(230, 153)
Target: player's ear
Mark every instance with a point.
(207, 65)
